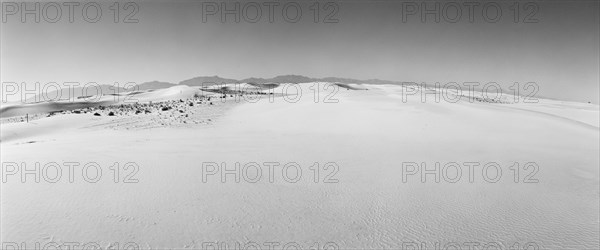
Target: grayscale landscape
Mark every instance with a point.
(384, 129)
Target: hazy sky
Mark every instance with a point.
(370, 40)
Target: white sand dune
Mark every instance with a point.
(351, 86)
(172, 93)
(368, 134)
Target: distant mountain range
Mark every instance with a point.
(154, 85)
(215, 80)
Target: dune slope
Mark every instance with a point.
(362, 204)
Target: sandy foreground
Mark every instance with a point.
(159, 188)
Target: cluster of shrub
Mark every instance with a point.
(140, 108)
